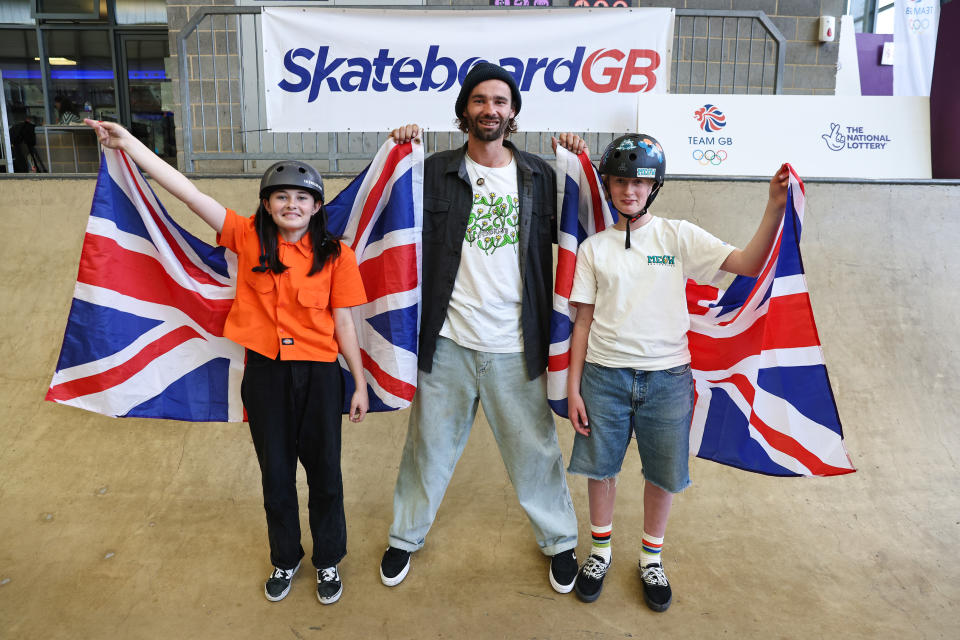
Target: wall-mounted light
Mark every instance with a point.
(60, 62)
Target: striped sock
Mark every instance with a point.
(650, 551)
(601, 541)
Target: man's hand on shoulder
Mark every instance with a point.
(406, 133)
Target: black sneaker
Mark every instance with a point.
(394, 566)
(563, 571)
(656, 589)
(590, 578)
(278, 584)
(329, 586)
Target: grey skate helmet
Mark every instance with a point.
(635, 155)
(291, 173)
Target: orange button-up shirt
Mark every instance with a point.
(287, 313)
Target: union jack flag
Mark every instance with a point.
(144, 334)
(380, 215)
(144, 337)
(583, 212)
(763, 398)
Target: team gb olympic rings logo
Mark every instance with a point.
(709, 156)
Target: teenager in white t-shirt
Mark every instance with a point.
(629, 362)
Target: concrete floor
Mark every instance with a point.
(155, 529)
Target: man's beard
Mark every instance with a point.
(486, 135)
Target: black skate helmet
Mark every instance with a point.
(291, 173)
(635, 155)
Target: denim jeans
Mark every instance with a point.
(656, 405)
(441, 416)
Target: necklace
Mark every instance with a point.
(481, 179)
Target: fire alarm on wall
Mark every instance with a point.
(828, 28)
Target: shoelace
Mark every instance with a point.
(284, 574)
(653, 575)
(328, 575)
(595, 568)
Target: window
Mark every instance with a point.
(885, 15)
(16, 12)
(22, 83)
(68, 9)
(141, 11)
(872, 16)
(81, 72)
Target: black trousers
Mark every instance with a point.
(294, 410)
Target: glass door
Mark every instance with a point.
(143, 109)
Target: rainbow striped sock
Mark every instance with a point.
(601, 540)
(650, 550)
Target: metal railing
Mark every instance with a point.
(754, 52)
(222, 110)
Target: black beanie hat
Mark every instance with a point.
(480, 73)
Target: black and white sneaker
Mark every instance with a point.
(563, 571)
(394, 566)
(656, 589)
(590, 578)
(278, 584)
(329, 586)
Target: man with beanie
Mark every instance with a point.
(489, 219)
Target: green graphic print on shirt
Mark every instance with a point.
(493, 222)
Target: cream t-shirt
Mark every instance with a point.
(640, 318)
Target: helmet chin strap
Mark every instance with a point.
(632, 219)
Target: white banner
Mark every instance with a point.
(848, 67)
(915, 26)
(821, 136)
(371, 70)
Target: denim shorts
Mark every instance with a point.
(656, 405)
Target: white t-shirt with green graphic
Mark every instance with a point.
(484, 311)
(640, 319)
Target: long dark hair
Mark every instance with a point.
(325, 244)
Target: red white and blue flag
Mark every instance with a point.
(764, 401)
(763, 398)
(582, 212)
(144, 336)
(380, 215)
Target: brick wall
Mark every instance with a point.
(215, 102)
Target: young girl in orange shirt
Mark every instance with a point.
(295, 284)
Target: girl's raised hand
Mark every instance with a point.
(110, 134)
(778, 186)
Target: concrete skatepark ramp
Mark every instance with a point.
(150, 529)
